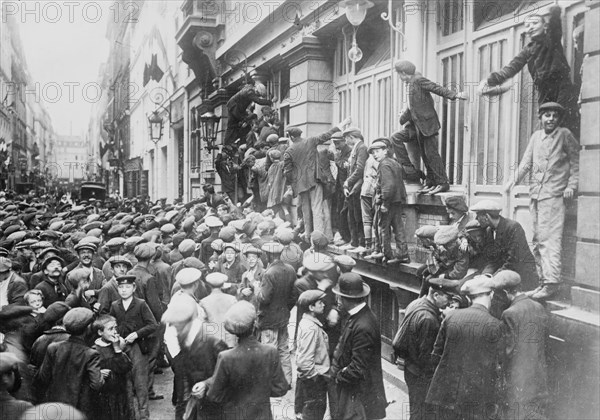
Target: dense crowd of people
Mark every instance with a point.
(98, 297)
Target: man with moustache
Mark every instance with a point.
(86, 252)
(51, 285)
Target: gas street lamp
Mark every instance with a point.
(155, 124)
(356, 11)
(209, 123)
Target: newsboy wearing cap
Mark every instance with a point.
(551, 162)
(70, 372)
(466, 353)
(261, 361)
(505, 245)
(275, 300)
(352, 367)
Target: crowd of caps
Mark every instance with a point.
(95, 301)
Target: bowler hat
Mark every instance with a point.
(350, 285)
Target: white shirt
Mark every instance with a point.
(356, 309)
(4, 292)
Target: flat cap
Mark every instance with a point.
(90, 239)
(125, 279)
(53, 411)
(86, 245)
(51, 258)
(487, 205)
(117, 230)
(294, 131)
(506, 278)
(187, 246)
(145, 251)
(178, 238)
(477, 285)
(337, 136)
(238, 224)
(457, 202)
(56, 225)
(319, 239)
(216, 279)
(212, 221)
(378, 144)
(115, 242)
(188, 223)
(345, 260)
(446, 235)
(77, 320)
(16, 236)
(193, 262)
(181, 308)
(551, 106)
(133, 241)
(317, 261)
(188, 275)
(240, 318)
(444, 285)
(252, 250)
(309, 297)
(217, 245)
(273, 248)
(233, 245)
(25, 244)
(168, 228)
(284, 235)
(227, 233)
(120, 259)
(473, 225)
(92, 225)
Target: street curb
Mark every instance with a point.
(393, 375)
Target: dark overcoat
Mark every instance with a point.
(526, 329)
(244, 380)
(468, 347)
(356, 368)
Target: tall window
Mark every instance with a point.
(195, 146)
(452, 118)
(450, 16)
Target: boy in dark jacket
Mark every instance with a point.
(135, 322)
(114, 402)
(390, 196)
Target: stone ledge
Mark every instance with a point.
(575, 314)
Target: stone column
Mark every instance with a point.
(311, 86)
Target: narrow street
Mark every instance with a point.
(282, 408)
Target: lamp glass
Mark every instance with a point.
(356, 10)
(156, 125)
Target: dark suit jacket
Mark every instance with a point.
(239, 102)
(390, 183)
(300, 162)
(70, 374)
(526, 329)
(137, 318)
(356, 366)
(468, 348)
(356, 170)
(52, 293)
(510, 251)
(148, 288)
(421, 109)
(275, 296)
(17, 287)
(244, 380)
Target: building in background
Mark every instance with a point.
(71, 160)
(300, 50)
(26, 132)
